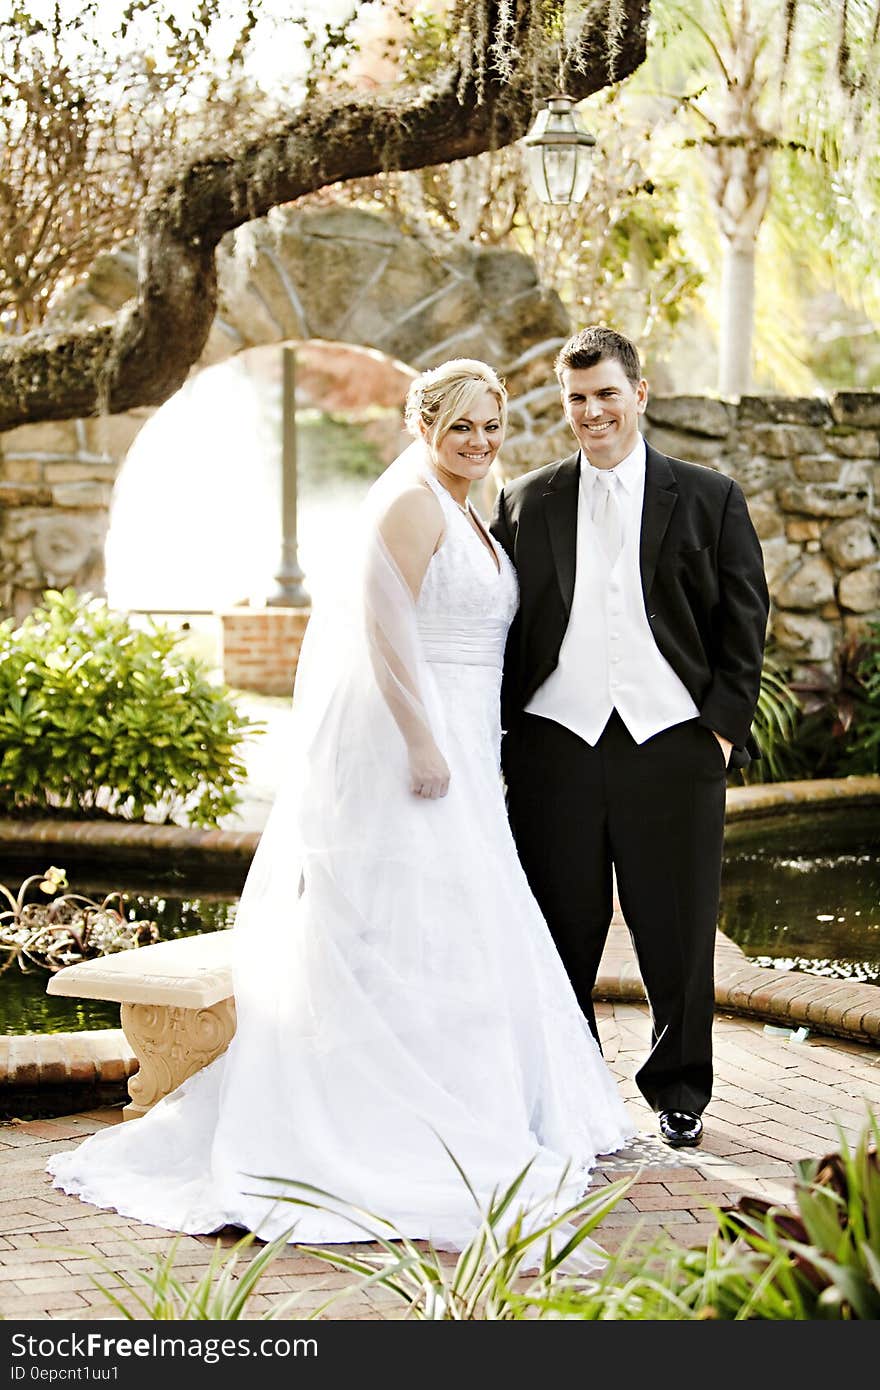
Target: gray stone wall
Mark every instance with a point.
(810, 470)
(56, 482)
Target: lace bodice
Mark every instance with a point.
(467, 602)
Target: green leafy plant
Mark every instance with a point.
(330, 446)
(98, 716)
(838, 734)
(775, 725)
(863, 744)
(826, 1251)
(68, 929)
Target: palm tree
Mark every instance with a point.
(758, 81)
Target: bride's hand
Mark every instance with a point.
(429, 773)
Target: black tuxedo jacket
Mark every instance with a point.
(702, 578)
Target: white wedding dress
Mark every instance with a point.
(396, 985)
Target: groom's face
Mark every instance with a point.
(603, 407)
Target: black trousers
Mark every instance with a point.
(655, 811)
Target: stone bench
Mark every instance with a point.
(177, 1008)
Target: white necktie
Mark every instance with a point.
(606, 512)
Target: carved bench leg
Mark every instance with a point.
(171, 1043)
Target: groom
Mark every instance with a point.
(630, 680)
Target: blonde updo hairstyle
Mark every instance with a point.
(439, 397)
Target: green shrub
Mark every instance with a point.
(807, 732)
(862, 753)
(838, 732)
(819, 1260)
(98, 716)
(330, 446)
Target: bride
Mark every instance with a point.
(398, 995)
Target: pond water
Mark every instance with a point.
(25, 1007)
(800, 891)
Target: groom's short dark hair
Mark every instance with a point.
(596, 344)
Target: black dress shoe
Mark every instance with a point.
(681, 1129)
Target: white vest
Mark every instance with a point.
(608, 658)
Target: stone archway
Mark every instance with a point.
(337, 274)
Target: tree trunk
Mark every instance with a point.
(739, 154)
(737, 317)
(739, 175)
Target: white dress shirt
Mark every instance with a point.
(608, 658)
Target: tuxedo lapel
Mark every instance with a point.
(661, 495)
(560, 508)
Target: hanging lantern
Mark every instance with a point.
(559, 152)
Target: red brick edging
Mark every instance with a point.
(100, 1057)
(131, 842)
(125, 841)
(765, 798)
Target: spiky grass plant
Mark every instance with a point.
(158, 1294)
(774, 726)
(819, 1260)
(520, 1259)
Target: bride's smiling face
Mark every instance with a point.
(470, 444)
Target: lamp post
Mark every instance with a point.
(289, 591)
(559, 152)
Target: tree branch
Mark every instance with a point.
(144, 355)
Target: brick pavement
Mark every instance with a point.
(775, 1101)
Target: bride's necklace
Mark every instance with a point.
(464, 507)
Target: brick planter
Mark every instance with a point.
(261, 646)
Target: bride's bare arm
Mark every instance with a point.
(411, 529)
